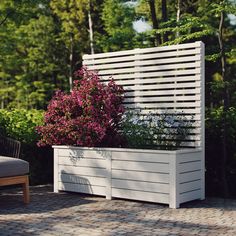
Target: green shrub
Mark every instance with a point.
(20, 124)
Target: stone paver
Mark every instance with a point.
(51, 214)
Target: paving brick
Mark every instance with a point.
(62, 214)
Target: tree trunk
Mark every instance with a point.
(154, 20)
(90, 28)
(91, 32)
(71, 61)
(179, 3)
(225, 109)
(164, 18)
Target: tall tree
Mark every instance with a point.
(73, 16)
(118, 26)
(154, 20)
(164, 18)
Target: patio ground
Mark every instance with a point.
(76, 214)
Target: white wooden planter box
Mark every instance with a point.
(169, 177)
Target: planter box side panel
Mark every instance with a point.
(191, 178)
(141, 176)
(81, 170)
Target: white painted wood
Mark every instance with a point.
(174, 180)
(141, 157)
(190, 186)
(196, 156)
(140, 195)
(140, 186)
(202, 76)
(132, 57)
(190, 176)
(82, 162)
(148, 68)
(193, 195)
(140, 176)
(141, 63)
(144, 50)
(56, 171)
(78, 170)
(153, 74)
(140, 166)
(136, 176)
(164, 92)
(82, 152)
(82, 179)
(82, 188)
(109, 177)
(190, 166)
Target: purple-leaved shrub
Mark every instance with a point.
(89, 115)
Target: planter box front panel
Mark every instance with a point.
(141, 176)
(170, 177)
(81, 170)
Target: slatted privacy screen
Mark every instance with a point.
(159, 80)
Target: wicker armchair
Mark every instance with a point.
(12, 169)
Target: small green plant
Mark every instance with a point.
(158, 131)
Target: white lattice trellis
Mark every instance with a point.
(166, 79)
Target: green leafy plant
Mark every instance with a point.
(20, 124)
(158, 131)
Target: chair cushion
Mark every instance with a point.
(10, 166)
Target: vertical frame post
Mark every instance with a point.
(174, 181)
(202, 50)
(109, 176)
(56, 172)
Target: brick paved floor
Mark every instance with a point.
(79, 215)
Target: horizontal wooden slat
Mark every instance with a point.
(140, 195)
(141, 166)
(140, 186)
(86, 162)
(190, 176)
(85, 171)
(190, 186)
(78, 179)
(171, 92)
(77, 153)
(81, 188)
(133, 57)
(163, 105)
(190, 166)
(140, 176)
(141, 63)
(164, 99)
(168, 67)
(137, 55)
(161, 86)
(152, 74)
(185, 197)
(143, 50)
(141, 157)
(184, 158)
